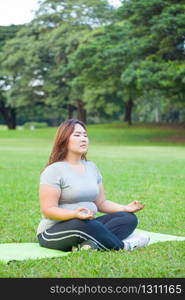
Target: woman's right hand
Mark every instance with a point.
(83, 213)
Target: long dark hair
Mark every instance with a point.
(61, 139)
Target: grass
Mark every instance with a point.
(144, 163)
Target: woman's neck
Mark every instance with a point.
(74, 160)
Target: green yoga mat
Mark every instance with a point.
(160, 237)
(22, 251)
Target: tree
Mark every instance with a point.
(84, 56)
(159, 29)
(7, 112)
(136, 55)
(69, 22)
(106, 70)
(35, 61)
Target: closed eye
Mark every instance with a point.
(79, 135)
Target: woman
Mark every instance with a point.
(71, 193)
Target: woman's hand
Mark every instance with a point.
(83, 213)
(134, 206)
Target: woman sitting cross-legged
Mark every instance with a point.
(71, 192)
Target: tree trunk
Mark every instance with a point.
(70, 109)
(9, 115)
(81, 112)
(128, 112)
(12, 119)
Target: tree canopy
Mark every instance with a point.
(93, 60)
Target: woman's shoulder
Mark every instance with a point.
(54, 167)
(87, 162)
(90, 163)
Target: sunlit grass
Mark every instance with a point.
(134, 163)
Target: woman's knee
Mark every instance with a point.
(132, 219)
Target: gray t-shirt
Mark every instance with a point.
(77, 190)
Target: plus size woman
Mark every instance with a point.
(71, 193)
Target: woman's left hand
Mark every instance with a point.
(134, 206)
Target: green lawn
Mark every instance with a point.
(144, 163)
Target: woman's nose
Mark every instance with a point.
(83, 138)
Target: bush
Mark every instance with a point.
(34, 125)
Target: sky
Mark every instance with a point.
(22, 11)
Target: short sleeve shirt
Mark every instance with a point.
(77, 190)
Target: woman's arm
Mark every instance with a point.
(107, 206)
(49, 197)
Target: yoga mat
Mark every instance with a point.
(160, 237)
(22, 251)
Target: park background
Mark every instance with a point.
(121, 70)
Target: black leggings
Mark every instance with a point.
(106, 231)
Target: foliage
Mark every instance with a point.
(93, 57)
(7, 111)
(8, 32)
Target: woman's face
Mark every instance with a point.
(78, 140)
